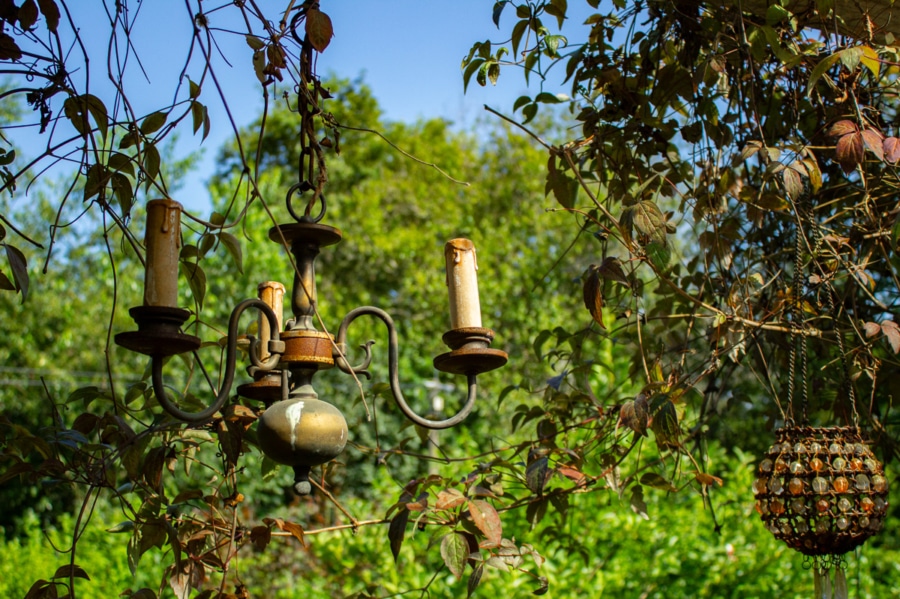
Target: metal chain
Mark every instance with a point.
(832, 307)
(311, 170)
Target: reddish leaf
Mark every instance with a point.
(841, 128)
(449, 499)
(891, 146)
(850, 151)
(319, 30)
(872, 329)
(260, 536)
(572, 474)
(611, 270)
(874, 140)
(793, 184)
(396, 530)
(488, 522)
(455, 553)
(892, 332)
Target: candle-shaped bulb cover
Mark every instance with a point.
(462, 283)
(272, 293)
(163, 243)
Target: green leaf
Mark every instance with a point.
(121, 163)
(498, 10)
(850, 57)
(151, 163)
(193, 90)
(474, 579)
(196, 279)
(650, 221)
(564, 188)
(77, 109)
(19, 266)
(124, 193)
(518, 31)
(775, 14)
(659, 254)
(637, 502)
(254, 42)
(153, 122)
(233, 245)
(652, 479)
(455, 553)
(537, 474)
(473, 66)
(819, 71)
(97, 178)
(7, 158)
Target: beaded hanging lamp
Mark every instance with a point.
(820, 489)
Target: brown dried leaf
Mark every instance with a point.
(892, 332)
(488, 522)
(295, 529)
(319, 29)
(707, 480)
(874, 140)
(592, 295)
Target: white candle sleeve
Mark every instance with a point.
(462, 283)
(163, 243)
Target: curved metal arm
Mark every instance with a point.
(393, 367)
(159, 387)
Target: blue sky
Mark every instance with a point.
(408, 51)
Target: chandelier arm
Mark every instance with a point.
(276, 347)
(393, 367)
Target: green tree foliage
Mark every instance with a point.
(720, 258)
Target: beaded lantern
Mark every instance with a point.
(823, 492)
(819, 489)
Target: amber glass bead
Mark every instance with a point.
(823, 505)
(866, 504)
(816, 465)
(841, 484)
(795, 486)
(776, 507)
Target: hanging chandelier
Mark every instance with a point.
(297, 428)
